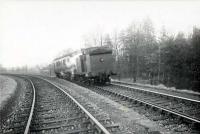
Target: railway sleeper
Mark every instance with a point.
(158, 118)
(180, 129)
(57, 114)
(36, 117)
(156, 100)
(41, 110)
(20, 115)
(15, 126)
(63, 126)
(25, 108)
(188, 110)
(170, 121)
(21, 118)
(14, 130)
(18, 130)
(45, 102)
(149, 98)
(100, 116)
(53, 123)
(58, 120)
(85, 130)
(48, 104)
(79, 123)
(195, 112)
(50, 118)
(19, 121)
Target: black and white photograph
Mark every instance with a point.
(100, 67)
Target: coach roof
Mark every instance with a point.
(67, 54)
(97, 50)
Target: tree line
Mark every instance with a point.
(172, 60)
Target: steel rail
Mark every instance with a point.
(100, 127)
(26, 131)
(32, 109)
(159, 107)
(155, 92)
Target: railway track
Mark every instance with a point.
(53, 110)
(178, 113)
(181, 106)
(16, 121)
(174, 93)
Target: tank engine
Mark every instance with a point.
(94, 64)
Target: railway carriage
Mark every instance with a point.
(94, 64)
(65, 66)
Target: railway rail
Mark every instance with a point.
(183, 109)
(170, 93)
(181, 106)
(16, 121)
(53, 110)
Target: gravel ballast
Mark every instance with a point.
(127, 118)
(15, 112)
(7, 89)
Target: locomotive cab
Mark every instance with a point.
(96, 64)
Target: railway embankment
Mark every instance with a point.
(7, 89)
(12, 92)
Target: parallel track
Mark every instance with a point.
(171, 104)
(180, 106)
(175, 94)
(183, 110)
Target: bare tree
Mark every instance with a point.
(93, 39)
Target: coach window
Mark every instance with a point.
(64, 63)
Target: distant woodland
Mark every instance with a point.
(172, 60)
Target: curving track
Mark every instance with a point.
(16, 121)
(53, 110)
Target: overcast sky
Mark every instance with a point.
(33, 32)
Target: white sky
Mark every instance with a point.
(34, 32)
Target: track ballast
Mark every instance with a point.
(53, 110)
(172, 112)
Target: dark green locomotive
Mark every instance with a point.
(92, 65)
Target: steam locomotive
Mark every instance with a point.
(91, 65)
